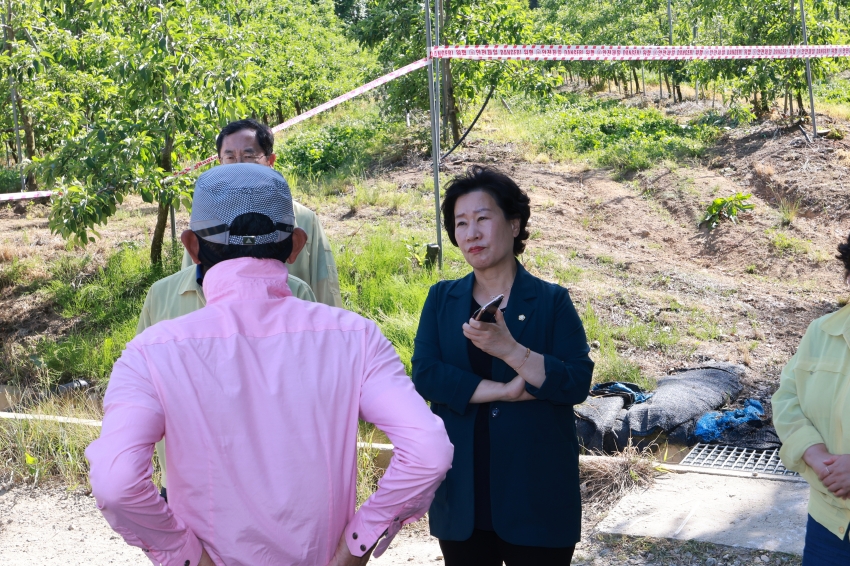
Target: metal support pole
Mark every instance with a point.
(435, 131)
(809, 71)
(173, 226)
(14, 98)
(670, 21)
(437, 62)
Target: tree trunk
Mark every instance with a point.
(669, 90)
(800, 107)
(454, 120)
(637, 83)
(279, 113)
(164, 207)
(29, 140)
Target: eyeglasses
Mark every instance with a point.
(244, 158)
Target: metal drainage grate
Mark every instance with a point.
(720, 457)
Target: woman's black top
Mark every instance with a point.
(482, 366)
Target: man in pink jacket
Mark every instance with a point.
(259, 394)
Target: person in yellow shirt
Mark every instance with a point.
(249, 141)
(811, 413)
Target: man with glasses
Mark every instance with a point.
(249, 141)
(312, 276)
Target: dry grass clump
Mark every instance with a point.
(605, 479)
(33, 451)
(7, 253)
(764, 170)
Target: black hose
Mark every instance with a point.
(472, 125)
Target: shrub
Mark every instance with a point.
(726, 208)
(10, 180)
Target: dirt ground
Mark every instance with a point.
(52, 526)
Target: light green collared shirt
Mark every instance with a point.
(812, 406)
(180, 294)
(315, 264)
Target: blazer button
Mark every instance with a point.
(363, 547)
(354, 536)
(495, 412)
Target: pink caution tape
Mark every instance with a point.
(636, 52)
(25, 196)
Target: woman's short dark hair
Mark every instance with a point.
(513, 201)
(844, 256)
(265, 137)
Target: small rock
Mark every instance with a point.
(20, 208)
(644, 234)
(70, 527)
(711, 562)
(765, 558)
(595, 344)
(439, 557)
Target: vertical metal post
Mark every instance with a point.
(435, 131)
(173, 226)
(670, 19)
(13, 94)
(809, 70)
(437, 63)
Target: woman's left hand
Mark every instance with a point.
(491, 337)
(837, 480)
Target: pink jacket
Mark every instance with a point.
(259, 395)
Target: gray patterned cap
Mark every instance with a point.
(227, 191)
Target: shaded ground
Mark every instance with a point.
(57, 527)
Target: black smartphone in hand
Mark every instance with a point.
(487, 313)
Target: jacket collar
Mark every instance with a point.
(838, 323)
(246, 278)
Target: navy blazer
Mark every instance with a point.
(533, 445)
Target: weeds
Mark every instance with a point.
(610, 365)
(784, 244)
(788, 210)
(36, 450)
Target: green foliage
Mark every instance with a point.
(707, 22)
(349, 142)
(119, 94)
(610, 365)
(726, 208)
(836, 91)
(618, 136)
(104, 302)
(394, 28)
(10, 180)
(785, 244)
(378, 280)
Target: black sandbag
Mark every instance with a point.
(685, 396)
(756, 435)
(595, 418)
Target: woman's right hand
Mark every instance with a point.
(515, 390)
(815, 456)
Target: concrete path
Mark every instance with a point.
(734, 511)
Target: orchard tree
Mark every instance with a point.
(175, 78)
(396, 29)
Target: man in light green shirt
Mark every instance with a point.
(248, 141)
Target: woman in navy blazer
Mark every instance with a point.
(504, 389)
